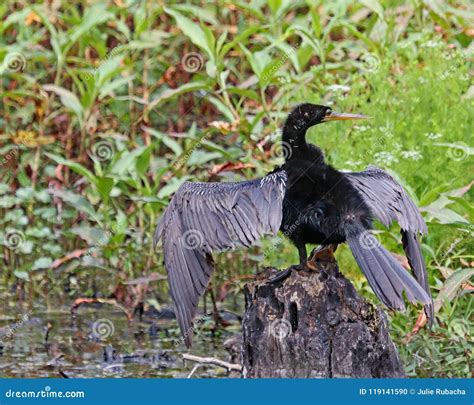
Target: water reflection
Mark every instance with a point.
(100, 342)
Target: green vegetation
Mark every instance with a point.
(108, 106)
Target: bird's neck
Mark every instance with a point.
(294, 139)
(294, 145)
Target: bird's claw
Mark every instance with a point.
(321, 254)
(284, 274)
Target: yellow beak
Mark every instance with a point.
(334, 116)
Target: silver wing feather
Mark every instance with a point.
(206, 217)
(387, 199)
(389, 202)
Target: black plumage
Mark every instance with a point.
(311, 203)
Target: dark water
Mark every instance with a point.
(100, 342)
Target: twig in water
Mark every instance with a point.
(193, 370)
(213, 361)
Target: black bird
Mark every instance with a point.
(311, 203)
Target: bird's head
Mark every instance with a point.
(306, 115)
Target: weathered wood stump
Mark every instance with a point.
(314, 324)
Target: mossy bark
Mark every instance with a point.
(314, 324)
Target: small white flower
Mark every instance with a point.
(353, 163)
(361, 128)
(433, 136)
(432, 44)
(385, 158)
(397, 146)
(338, 87)
(411, 154)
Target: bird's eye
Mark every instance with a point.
(328, 112)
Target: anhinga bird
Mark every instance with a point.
(311, 203)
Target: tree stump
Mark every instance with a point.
(314, 324)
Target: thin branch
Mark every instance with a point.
(213, 361)
(193, 370)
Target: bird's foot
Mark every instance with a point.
(284, 274)
(321, 254)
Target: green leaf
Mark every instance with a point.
(199, 12)
(93, 236)
(23, 275)
(274, 5)
(140, 21)
(465, 204)
(170, 93)
(126, 161)
(199, 157)
(167, 140)
(104, 186)
(68, 99)
(258, 60)
(114, 85)
(438, 210)
(451, 286)
(171, 187)
(77, 167)
(239, 39)
(223, 108)
(77, 201)
(444, 215)
(375, 6)
(201, 36)
(107, 70)
(42, 263)
(143, 161)
(119, 228)
(25, 193)
(15, 18)
(93, 16)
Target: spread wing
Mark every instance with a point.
(389, 202)
(206, 217)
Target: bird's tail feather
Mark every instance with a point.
(386, 276)
(412, 249)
